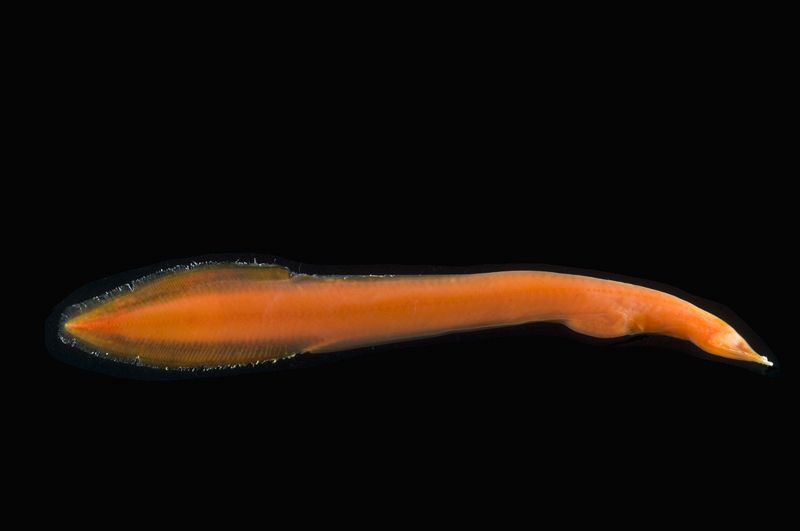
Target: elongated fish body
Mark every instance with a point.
(232, 314)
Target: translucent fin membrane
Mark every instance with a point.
(127, 325)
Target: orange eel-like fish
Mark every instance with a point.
(231, 314)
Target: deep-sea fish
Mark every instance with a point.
(219, 315)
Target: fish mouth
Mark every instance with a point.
(744, 352)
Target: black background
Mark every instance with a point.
(641, 165)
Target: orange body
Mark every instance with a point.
(232, 314)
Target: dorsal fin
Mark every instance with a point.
(168, 283)
(208, 274)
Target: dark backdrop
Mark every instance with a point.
(669, 177)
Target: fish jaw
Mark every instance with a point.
(728, 343)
